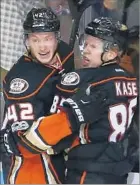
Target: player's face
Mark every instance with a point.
(93, 48)
(43, 46)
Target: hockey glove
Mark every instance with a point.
(8, 144)
(86, 106)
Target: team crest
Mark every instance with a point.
(70, 79)
(18, 86)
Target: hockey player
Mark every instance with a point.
(29, 88)
(105, 151)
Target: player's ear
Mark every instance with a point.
(110, 55)
(27, 43)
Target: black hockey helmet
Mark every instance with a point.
(41, 20)
(113, 32)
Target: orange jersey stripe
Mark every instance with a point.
(65, 90)
(83, 177)
(86, 133)
(75, 143)
(67, 57)
(113, 78)
(36, 91)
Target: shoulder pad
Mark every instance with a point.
(25, 79)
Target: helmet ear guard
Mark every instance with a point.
(81, 41)
(58, 36)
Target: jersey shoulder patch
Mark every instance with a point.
(68, 84)
(18, 86)
(71, 79)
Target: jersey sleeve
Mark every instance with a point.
(44, 133)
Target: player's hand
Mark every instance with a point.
(2, 146)
(86, 106)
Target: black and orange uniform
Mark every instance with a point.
(95, 137)
(100, 157)
(29, 88)
(96, 153)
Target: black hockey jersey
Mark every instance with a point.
(100, 138)
(121, 88)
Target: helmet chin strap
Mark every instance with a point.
(112, 61)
